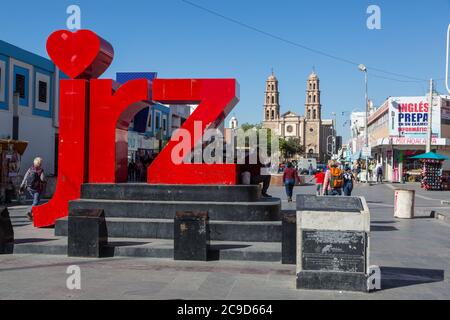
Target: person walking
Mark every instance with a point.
(290, 179)
(379, 173)
(320, 178)
(334, 181)
(349, 180)
(34, 184)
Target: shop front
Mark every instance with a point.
(398, 132)
(396, 157)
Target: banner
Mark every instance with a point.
(408, 117)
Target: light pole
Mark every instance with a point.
(334, 133)
(430, 120)
(363, 68)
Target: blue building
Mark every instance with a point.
(151, 127)
(29, 104)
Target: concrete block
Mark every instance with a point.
(191, 236)
(333, 243)
(87, 233)
(289, 241)
(6, 232)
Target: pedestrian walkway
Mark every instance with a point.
(413, 255)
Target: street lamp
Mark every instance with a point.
(363, 68)
(334, 132)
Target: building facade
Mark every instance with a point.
(311, 130)
(152, 126)
(29, 104)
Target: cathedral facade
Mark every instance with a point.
(311, 130)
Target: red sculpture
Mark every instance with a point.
(95, 116)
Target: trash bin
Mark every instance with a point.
(404, 204)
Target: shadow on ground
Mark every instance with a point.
(32, 240)
(392, 277)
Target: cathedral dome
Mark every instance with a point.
(272, 77)
(313, 76)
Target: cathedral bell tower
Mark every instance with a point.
(313, 117)
(313, 106)
(272, 100)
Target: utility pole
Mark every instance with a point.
(334, 133)
(430, 119)
(363, 68)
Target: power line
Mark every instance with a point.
(299, 45)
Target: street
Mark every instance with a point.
(414, 256)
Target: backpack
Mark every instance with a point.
(337, 179)
(34, 179)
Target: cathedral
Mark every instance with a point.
(312, 131)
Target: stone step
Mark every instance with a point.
(161, 248)
(263, 210)
(142, 191)
(163, 229)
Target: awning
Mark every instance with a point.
(431, 155)
(19, 146)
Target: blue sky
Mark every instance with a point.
(178, 40)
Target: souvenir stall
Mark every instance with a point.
(433, 177)
(11, 152)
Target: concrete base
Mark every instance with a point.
(341, 281)
(6, 232)
(191, 236)
(289, 243)
(237, 214)
(87, 234)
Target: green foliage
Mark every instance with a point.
(291, 147)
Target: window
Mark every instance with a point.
(20, 85)
(164, 124)
(309, 114)
(311, 130)
(273, 115)
(267, 114)
(2, 81)
(314, 99)
(314, 114)
(273, 100)
(290, 129)
(158, 121)
(42, 91)
(149, 124)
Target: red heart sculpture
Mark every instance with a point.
(81, 54)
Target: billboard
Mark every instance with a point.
(408, 117)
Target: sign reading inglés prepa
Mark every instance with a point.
(409, 117)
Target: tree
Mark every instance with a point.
(258, 127)
(291, 147)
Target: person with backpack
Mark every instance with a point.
(34, 184)
(334, 181)
(349, 180)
